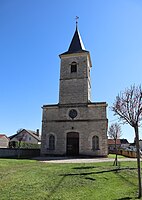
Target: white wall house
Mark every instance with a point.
(4, 141)
(27, 136)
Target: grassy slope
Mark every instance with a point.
(31, 180)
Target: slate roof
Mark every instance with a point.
(124, 141)
(34, 134)
(76, 45)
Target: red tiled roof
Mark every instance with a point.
(3, 135)
(112, 141)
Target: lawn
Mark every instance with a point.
(34, 180)
(113, 156)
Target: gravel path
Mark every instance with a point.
(79, 160)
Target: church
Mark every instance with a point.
(75, 126)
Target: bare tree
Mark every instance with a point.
(128, 107)
(114, 132)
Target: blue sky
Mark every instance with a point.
(34, 32)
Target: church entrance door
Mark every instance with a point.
(72, 144)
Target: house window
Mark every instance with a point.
(95, 143)
(73, 67)
(51, 142)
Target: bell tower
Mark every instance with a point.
(75, 83)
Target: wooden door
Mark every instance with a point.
(72, 144)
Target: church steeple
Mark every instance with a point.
(75, 84)
(76, 45)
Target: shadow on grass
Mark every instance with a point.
(125, 179)
(89, 178)
(116, 171)
(87, 167)
(99, 172)
(125, 198)
(55, 188)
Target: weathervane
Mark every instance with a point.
(76, 19)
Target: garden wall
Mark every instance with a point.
(130, 154)
(20, 153)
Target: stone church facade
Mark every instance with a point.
(75, 126)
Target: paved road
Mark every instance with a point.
(80, 160)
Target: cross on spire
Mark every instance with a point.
(76, 19)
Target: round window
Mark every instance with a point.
(72, 113)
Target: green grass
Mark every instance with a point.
(31, 180)
(113, 156)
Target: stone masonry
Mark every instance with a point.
(76, 126)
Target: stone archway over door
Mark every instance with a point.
(72, 148)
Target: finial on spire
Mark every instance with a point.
(76, 20)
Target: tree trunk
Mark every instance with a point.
(138, 159)
(115, 161)
(19, 145)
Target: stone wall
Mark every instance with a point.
(74, 87)
(14, 153)
(74, 93)
(91, 120)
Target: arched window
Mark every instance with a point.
(95, 143)
(73, 67)
(51, 142)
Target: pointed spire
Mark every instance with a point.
(76, 45)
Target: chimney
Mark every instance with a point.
(37, 132)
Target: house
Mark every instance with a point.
(26, 136)
(124, 143)
(75, 126)
(111, 144)
(4, 141)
